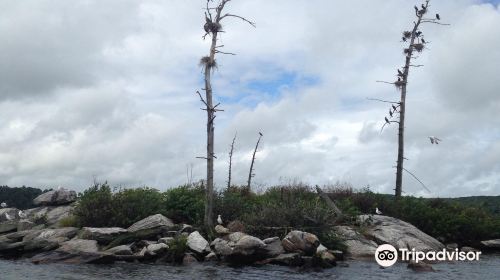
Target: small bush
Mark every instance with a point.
(185, 204)
(69, 221)
(132, 205)
(95, 207)
(177, 248)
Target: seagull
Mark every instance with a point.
(219, 220)
(378, 212)
(3, 205)
(9, 218)
(434, 140)
(21, 214)
(438, 17)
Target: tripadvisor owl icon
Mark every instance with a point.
(386, 255)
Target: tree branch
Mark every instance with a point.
(385, 101)
(240, 17)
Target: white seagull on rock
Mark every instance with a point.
(21, 214)
(3, 205)
(219, 220)
(378, 212)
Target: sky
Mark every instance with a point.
(106, 90)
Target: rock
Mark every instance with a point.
(219, 229)
(165, 240)
(339, 255)
(78, 246)
(240, 248)
(468, 249)
(187, 228)
(273, 247)
(11, 212)
(50, 215)
(48, 239)
(211, 257)
(102, 235)
(72, 258)
(358, 246)
(222, 247)
(236, 226)
(188, 259)
(55, 197)
(321, 249)
(157, 222)
(451, 246)
(300, 242)
(327, 259)
(400, 234)
(290, 259)
(25, 224)
(122, 250)
(198, 244)
(8, 226)
(491, 244)
(420, 266)
(156, 249)
(140, 245)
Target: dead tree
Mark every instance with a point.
(250, 173)
(416, 44)
(231, 161)
(213, 26)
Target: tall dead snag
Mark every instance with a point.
(250, 173)
(416, 44)
(231, 161)
(212, 27)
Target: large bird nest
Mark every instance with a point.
(418, 47)
(207, 62)
(213, 27)
(399, 84)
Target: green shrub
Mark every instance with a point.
(177, 248)
(132, 205)
(69, 221)
(185, 204)
(95, 207)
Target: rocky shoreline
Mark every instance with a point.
(36, 234)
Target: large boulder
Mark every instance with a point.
(400, 234)
(198, 244)
(50, 215)
(55, 197)
(78, 246)
(493, 244)
(273, 247)
(122, 250)
(73, 258)
(240, 248)
(358, 246)
(102, 235)
(49, 239)
(9, 214)
(300, 242)
(157, 223)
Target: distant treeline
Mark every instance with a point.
(20, 198)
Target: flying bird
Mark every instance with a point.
(21, 214)
(434, 140)
(438, 17)
(3, 205)
(378, 212)
(219, 220)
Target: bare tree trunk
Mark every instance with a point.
(230, 162)
(402, 104)
(250, 173)
(330, 203)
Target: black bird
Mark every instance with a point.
(386, 120)
(438, 17)
(416, 9)
(399, 79)
(423, 41)
(400, 73)
(260, 133)
(394, 107)
(404, 39)
(390, 113)
(423, 6)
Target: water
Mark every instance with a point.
(487, 268)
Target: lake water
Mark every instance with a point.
(487, 268)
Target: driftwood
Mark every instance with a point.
(330, 203)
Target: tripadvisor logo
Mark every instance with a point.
(386, 255)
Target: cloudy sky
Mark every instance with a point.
(106, 90)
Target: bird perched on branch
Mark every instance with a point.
(260, 133)
(438, 17)
(390, 113)
(434, 140)
(416, 9)
(400, 73)
(387, 120)
(3, 205)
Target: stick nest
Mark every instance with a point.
(418, 47)
(213, 27)
(399, 84)
(207, 62)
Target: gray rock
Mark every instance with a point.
(55, 197)
(156, 249)
(102, 235)
(240, 248)
(25, 224)
(122, 250)
(219, 229)
(8, 226)
(73, 258)
(300, 242)
(48, 239)
(491, 244)
(12, 213)
(273, 247)
(165, 240)
(222, 247)
(321, 249)
(50, 215)
(211, 257)
(248, 245)
(157, 221)
(188, 259)
(187, 228)
(290, 259)
(339, 255)
(78, 246)
(400, 234)
(358, 246)
(198, 244)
